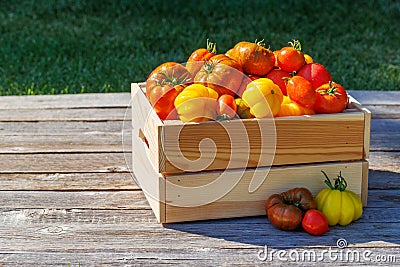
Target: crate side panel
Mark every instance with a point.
(304, 141)
(146, 124)
(151, 182)
(239, 202)
(265, 142)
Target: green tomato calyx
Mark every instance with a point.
(340, 182)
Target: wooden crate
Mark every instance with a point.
(236, 175)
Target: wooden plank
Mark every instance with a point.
(131, 199)
(224, 193)
(207, 257)
(97, 100)
(385, 161)
(65, 163)
(384, 111)
(64, 114)
(90, 142)
(376, 97)
(385, 135)
(67, 181)
(60, 127)
(82, 230)
(298, 140)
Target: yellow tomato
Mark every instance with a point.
(263, 97)
(196, 103)
(308, 59)
(291, 108)
(340, 206)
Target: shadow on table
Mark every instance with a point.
(379, 222)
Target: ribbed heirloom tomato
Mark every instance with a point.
(263, 97)
(254, 58)
(285, 210)
(222, 74)
(163, 85)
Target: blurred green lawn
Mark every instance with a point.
(52, 47)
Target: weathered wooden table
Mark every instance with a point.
(68, 198)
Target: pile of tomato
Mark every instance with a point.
(331, 206)
(248, 81)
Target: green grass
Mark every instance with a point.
(70, 46)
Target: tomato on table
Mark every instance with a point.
(285, 210)
(315, 223)
(338, 204)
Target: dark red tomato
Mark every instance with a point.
(197, 58)
(163, 85)
(285, 210)
(315, 222)
(279, 76)
(227, 106)
(301, 91)
(254, 58)
(290, 58)
(331, 98)
(315, 73)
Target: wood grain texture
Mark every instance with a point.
(67, 195)
(387, 98)
(65, 163)
(96, 100)
(298, 140)
(238, 193)
(67, 181)
(62, 114)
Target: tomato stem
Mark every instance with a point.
(332, 90)
(295, 44)
(211, 47)
(340, 182)
(208, 66)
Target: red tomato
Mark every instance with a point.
(290, 58)
(278, 77)
(315, 223)
(331, 98)
(301, 91)
(315, 73)
(227, 106)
